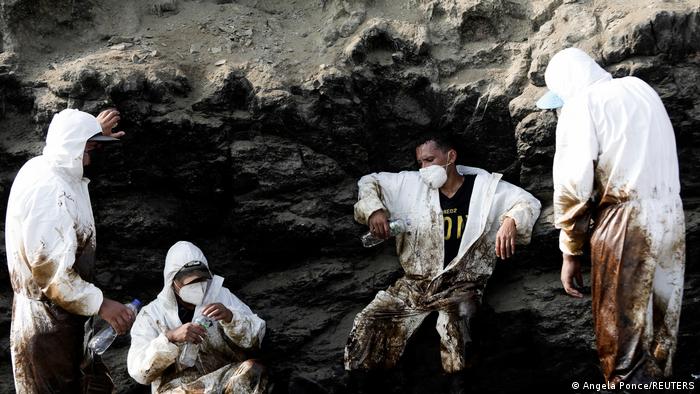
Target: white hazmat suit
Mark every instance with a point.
(221, 365)
(616, 164)
(50, 241)
(381, 330)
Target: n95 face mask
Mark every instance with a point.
(434, 176)
(193, 293)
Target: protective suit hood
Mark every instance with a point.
(65, 141)
(571, 71)
(152, 355)
(178, 255)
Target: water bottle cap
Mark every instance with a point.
(204, 321)
(136, 302)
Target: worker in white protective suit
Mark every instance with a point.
(165, 326)
(50, 244)
(461, 219)
(616, 165)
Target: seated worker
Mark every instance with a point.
(164, 326)
(461, 219)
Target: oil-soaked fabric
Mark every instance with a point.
(637, 285)
(247, 377)
(382, 329)
(380, 332)
(47, 358)
(616, 162)
(50, 243)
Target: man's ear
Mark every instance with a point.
(452, 156)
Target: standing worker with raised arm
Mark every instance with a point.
(50, 242)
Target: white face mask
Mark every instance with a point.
(193, 293)
(434, 176)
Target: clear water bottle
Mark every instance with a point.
(103, 339)
(396, 226)
(191, 350)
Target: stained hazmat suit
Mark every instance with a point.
(380, 332)
(221, 366)
(50, 244)
(616, 164)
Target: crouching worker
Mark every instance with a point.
(164, 327)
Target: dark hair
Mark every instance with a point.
(443, 141)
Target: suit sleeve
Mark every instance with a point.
(51, 243)
(522, 207)
(150, 352)
(573, 175)
(375, 192)
(246, 329)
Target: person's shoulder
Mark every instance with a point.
(404, 176)
(36, 178)
(472, 171)
(34, 168)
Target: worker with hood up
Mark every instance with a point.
(50, 244)
(165, 326)
(616, 164)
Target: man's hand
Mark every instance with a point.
(117, 315)
(109, 119)
(505, 239)
(378, 224)
(218, 312)
(188, 332)
(570, 271)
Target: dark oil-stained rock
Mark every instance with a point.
(257, 159)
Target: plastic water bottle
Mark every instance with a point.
(103, 339)
(396, 226)
(191, 350)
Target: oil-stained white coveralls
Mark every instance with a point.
(381, 330)
(616, 163)
(50, 242)
(221, 366)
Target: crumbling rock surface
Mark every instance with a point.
(249, 122)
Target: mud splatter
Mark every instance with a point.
(572, 216)
(43, 270)
(622, 284)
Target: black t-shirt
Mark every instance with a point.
(455, 212)
(184, 314)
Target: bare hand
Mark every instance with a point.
(188, 332)
(109, 119)
(218, 312)
(570, 271)
(505, 239)
(117, 315)
(379, 225)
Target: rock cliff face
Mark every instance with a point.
(249, 122)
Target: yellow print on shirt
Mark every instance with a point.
(449, 228)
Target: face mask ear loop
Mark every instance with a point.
(449, 163)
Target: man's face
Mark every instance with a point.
(429, 154)
(90, 146)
